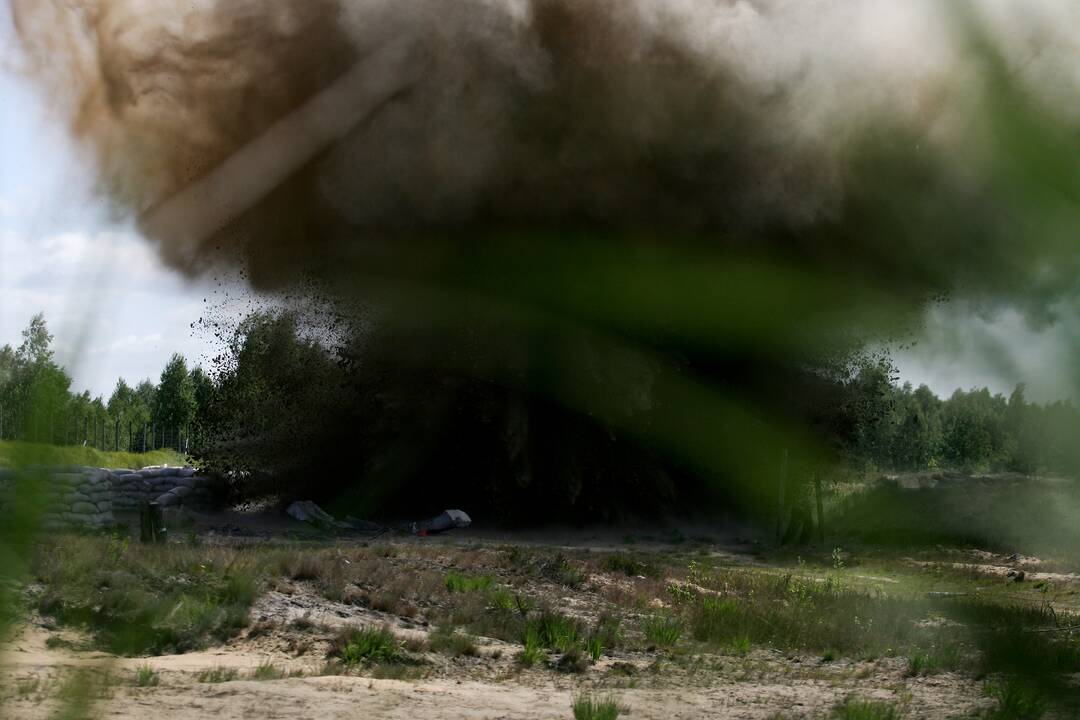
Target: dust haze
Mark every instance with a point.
(718, 119)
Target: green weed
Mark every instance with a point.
(146, 677)
(663, 631)
(217, 675)
(555, 631)
(448, 641)
(559, 570)
(586, 707)
(629, 566)
(1015, 701)
(532, 650)
(459, 583)
(934, 660)
(855, 709)
(267, 671)
(366, 645)
(163, 598)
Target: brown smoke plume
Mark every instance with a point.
(292, 135)
(655, 214)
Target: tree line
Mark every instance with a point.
(898, 427)
(280, 406)
(38, 404)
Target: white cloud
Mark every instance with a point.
(961, 349)
(113, 308)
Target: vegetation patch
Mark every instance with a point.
(856, 709)
(217, 675)
(146, 599)
(586, 707)
(629, 566)
(267, 671)
(448, 641)
(366, 645)
(663, 631)
(460, 583)
(145, 676)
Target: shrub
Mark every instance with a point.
(366, 645)
(217, 675)
(607, 631)
(629, 566)
(595, 648)
(590, 708)
(559, 570)
(854, 709)
(159, 599)
(532, 651)
(146, 677)
(573, 661)
(663, 630)
(717, 620)
(448, 641)
(302, 566)
(742, 645)
(934, 660)
(555, 631)
(267, 671)
(1016, 701)
(459, 583)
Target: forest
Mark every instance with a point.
(280, 403)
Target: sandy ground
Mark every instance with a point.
(761, 686)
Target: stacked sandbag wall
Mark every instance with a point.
(172, 486)
(73, 496)
(86, 497)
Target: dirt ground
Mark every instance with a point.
(761, 684)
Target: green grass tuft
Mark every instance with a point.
(146, 677)
(448, 641)
(267, 671)
(554, 631)
(586, 707)
(532, 650)
(460, 583)
(217, 675)
(366, 645)
(663, 631)
(629, 566)
(855, 709)
(1015, 701)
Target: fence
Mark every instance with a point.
(96, 432)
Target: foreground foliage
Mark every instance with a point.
(138, 599)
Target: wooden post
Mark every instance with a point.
(151, 523)
(780, 498)
(820, 509)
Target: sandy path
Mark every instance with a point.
(319, 698)
(528, 696)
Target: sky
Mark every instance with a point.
(113, 308)
(116, 311)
